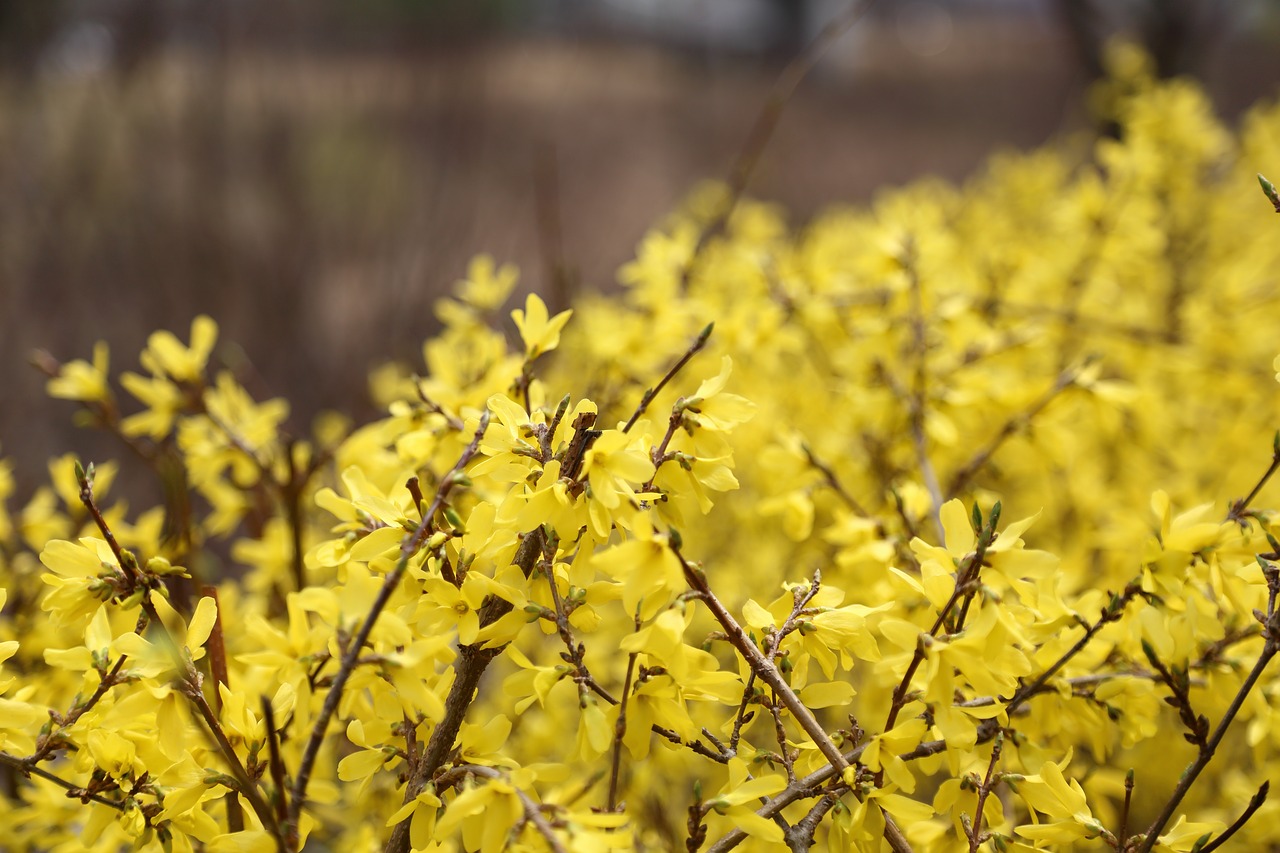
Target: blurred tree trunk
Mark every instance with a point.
(1176, 33)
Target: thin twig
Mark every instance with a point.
(799, 837)
(190, 679)
(281, 801)
(1016, 423)
(1255, 803)
(532, 811)
(620, 730)
(833, 481)
(986, 731)
(762, 666)
(1188, 777)
(766, 123)
(127, 561)
(742, 716)
(966, 575)
(984, 790)
(1111, 613)
(1123, 835)
(248, 787)
(651, 393)
(452, 421)
(1238, 508)
(20, 765)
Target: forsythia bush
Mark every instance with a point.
(949, 536)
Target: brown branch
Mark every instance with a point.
(767, 672)
(1111, 613)
(127, 561)
(189, 679)
(742, 716)
(217, 649)
(1180, 687)
(799, 837)
(468, 668)
(48, 743)
(452, 421)
(411, 545)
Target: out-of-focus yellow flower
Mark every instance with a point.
(80, 380)
(539, 331)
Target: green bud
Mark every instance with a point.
(455, 520)
(162, 567)
(1269, 189)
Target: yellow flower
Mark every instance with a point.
(80, 380)
(80, 579)
(712, 408)
(539, 332)
(180, 644)
(650, 573)
(166, 356)
(1050, 793)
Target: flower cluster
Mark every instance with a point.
(613, 578)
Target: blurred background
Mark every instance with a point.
(314, 173)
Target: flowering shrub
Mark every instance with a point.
(639, 583)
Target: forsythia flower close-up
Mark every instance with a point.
(942, 524)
